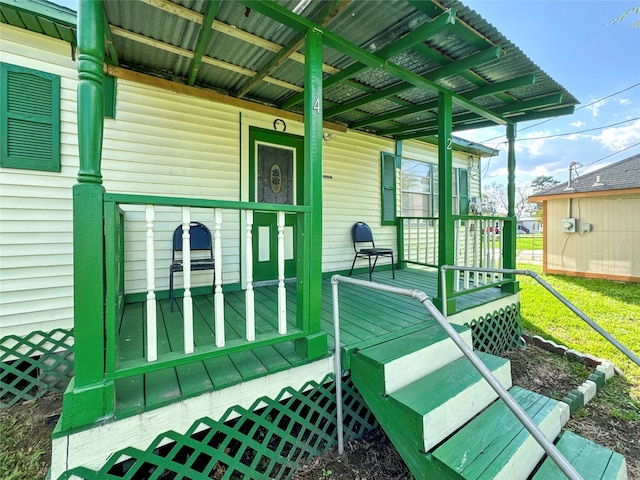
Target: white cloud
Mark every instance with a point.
(595, 107)
(624, 101)
(578, 124)
(617, 138)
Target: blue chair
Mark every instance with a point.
(200, 242)
(361, 234)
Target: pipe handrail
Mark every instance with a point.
(607, 336)
(502, 392)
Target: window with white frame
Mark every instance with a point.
(417, 188)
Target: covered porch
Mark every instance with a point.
(367, 318)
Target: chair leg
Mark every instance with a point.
(370, 270)
(353, 264)
(171, 289)
(393, 271)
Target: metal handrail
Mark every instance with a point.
(632, 356)
(517, 410)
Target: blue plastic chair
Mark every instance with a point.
(361, 234)
(200, 241)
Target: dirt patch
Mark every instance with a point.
(612, 419)
(25, 438)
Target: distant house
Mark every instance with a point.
(529, 225)
(591, 228)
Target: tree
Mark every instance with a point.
(543, 182)
(495, 200)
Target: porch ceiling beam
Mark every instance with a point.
(203, 37)
(447, 70)
(221, 27)
(477, 93)
(282, 15)
(111, 48)
(422, 108)
(556, 112)
(329, 12)
(189, 54)
(410, 40)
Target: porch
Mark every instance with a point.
(366, 318)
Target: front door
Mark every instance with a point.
(275, 171)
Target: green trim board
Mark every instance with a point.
(29, 119)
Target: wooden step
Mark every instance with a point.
(405, 359)
(495, 445)
(592, 461)
(446, 399)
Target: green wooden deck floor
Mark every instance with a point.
(366, 316)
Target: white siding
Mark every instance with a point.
(36, 263)
(162, 144)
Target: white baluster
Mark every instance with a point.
(467, 227)
(476, 250)
(456, 242)
(282, 292)
(152, 335)
(250, 312)
(187, 301)
(218, 297)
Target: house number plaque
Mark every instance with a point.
(275, 177)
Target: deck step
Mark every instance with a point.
(446, 399)
(495, 445)
(406, 359)
(592, 461)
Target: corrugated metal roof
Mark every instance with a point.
(41, 17)
(159, 37)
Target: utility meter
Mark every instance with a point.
(568, 225)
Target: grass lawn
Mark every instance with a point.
(529, 241)
(615, 306)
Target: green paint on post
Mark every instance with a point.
(446, 247)
(509, 233)
(315, 345)
(89, 397)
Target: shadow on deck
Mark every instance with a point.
(366, 317)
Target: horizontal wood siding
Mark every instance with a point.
(352, 193)
(611, 248)
(36, 248)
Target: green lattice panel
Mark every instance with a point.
(498, 331)
(269, 440)
(34, 365)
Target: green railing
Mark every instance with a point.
(135, 224)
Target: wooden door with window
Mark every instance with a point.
(275, 173)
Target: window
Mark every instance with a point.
(29, 119)
(420, 190)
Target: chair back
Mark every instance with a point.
(200, 238)
(360, 233)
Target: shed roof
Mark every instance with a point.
(384, 62)
(620, 177)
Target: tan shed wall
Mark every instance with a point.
(612, 248)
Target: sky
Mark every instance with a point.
(598, 62)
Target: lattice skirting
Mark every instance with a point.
(498, 331)
(269, 440)
(32, 366)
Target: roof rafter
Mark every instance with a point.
(451, 69)
(203, 37)
(417, 36)
(329, 12)
(282, 15)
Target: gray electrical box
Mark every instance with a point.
(568, 225)
(586, 227)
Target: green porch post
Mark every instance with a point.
(446, 247)
(509, 233)
(315, 344)
(88, 398)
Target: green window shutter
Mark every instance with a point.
(388, 189)
(463, 188)
(29, 119)
(109, 87)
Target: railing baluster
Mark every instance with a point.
(218, 297)
(282, 292)
(187, 301)
(467, 227)
(250, 311)
(456, 240)
(152, 335)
